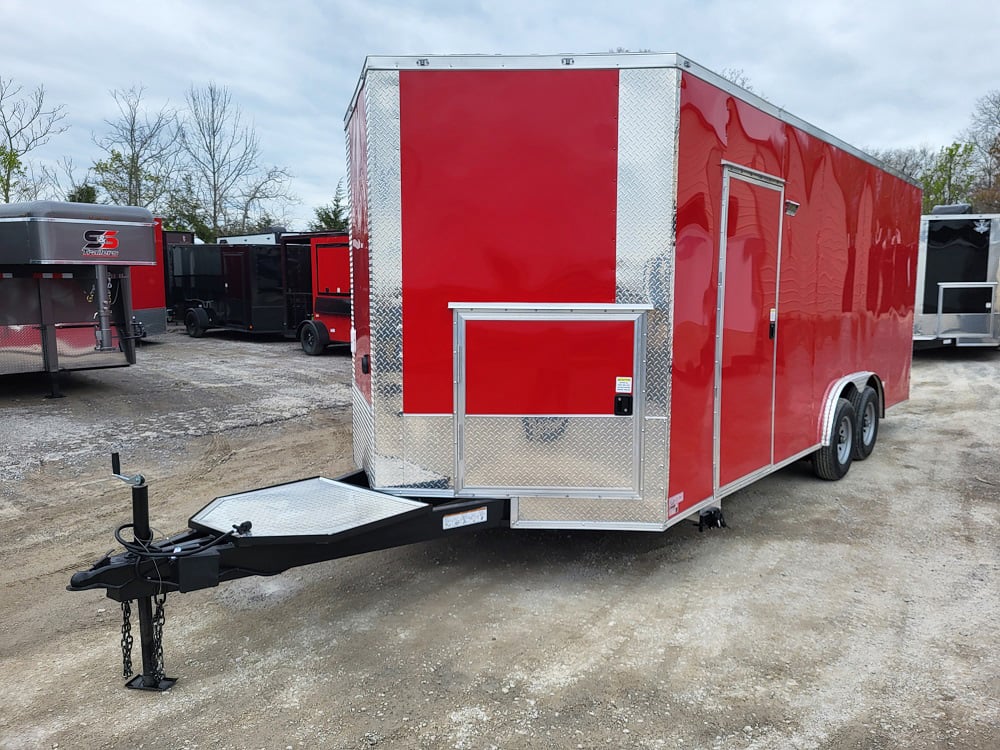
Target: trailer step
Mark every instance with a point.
(307, 508)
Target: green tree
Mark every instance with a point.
(332, 216)
(183, 213)
(85, 193)
(25, 124)
(950, 177)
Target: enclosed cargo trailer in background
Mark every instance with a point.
(150, 283)
(252, 288)
(330, 321)
(299, 287)
(65, 296)
(699, 290)
(958, 270)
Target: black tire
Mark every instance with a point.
(314, 338)
(866, 414)
(833, 461)
(194, 323)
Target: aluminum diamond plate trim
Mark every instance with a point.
(585, 513)
(647, 175)
(385, 241)
(570, 453)
(21, 349)
(311, 507)
(429, 443)
(363, 420)
(647, 513)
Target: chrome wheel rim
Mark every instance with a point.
(844, 440)
(868, 424)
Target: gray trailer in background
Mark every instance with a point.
(958, 271)
(65, 301)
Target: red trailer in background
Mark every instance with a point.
(330, 322)
(149, 284)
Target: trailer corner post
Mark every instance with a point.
(150, 626)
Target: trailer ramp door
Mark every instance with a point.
(747, 329)
(548, 399)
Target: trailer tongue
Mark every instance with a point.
(260, 533)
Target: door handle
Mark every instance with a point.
(773, 324)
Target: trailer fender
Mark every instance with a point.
(846, 387)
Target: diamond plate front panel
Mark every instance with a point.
(364, 430)
(647, 195)
(21, 349)
(561, 453)
(429, 442)
(649, 512)
(311, 507)
(385, 237)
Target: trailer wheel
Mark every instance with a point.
(866, 410)
(314, 338)
(195, 322)
(833, 461)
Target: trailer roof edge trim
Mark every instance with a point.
(628, 60)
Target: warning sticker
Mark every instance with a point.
(623, 385)
(674, 504)
(465, 518)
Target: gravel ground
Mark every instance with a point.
(858, 614)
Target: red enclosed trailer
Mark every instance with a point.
(698, 289)
(150, 284)
(330, 322)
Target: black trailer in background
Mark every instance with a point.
(252, 288)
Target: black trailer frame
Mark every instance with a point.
(293, 524)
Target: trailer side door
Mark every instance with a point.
(747, 327)
(549, 399)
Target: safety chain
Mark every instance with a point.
(126, 639)
(158, 619)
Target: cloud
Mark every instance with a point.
(873, 74)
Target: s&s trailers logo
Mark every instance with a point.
(100, 243)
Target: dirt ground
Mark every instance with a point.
(858, 614)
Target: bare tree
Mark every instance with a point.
(910, 162)
(223, 159)
(141, 150)
(25, 124)
(983, 134)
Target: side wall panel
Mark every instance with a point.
(845, 285)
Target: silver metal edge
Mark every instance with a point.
(523, 307)
(56, 220)
(749, 479)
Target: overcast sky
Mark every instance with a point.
(877, 73)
